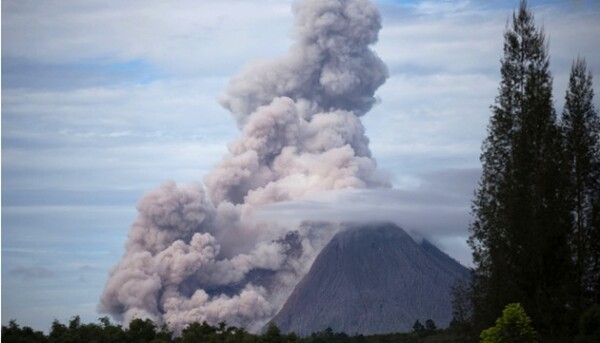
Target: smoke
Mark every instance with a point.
(199, 254)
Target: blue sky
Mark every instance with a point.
(105, 100)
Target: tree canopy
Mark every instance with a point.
(534, 234)
(514, 326)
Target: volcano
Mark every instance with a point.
(372, 279)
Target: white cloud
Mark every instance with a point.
(113, 137)
(207, 37)
(429, 211)
(444, 63)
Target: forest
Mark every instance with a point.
(535, 232)
(146, 331)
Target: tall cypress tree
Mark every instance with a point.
(581, 130)
(520, 227)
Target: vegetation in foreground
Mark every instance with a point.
(146, 331)
(513, 326)
(535, 234)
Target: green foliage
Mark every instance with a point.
(461, 311)
(141, 330)
(146, 331)
(418, 327)
(422, 331)
(514, 326)
(75, 331)
(272, 335)
(13, 333)
(581, 130)
(589, 326)
(430, 325)
(110, 332)
(197, 332)
(522, 214)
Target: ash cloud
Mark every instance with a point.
(436, 210)
(196, 252)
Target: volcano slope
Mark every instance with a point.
(369, 279)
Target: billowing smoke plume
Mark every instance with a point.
(196, 254)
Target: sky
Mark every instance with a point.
(103, 101)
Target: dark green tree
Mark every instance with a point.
(581, 131)
(13, 333)
(163, 334)
(292, 337)
(519, 235)
(461, 310)
(196, 332)
(141, 330)
(110, 333)
(430, 325)
(418, 327)
(272, 335)
(514, 326)
(60, 333)
(589, 326)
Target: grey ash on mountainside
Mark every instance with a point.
(369, 279)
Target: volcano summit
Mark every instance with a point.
(370, 279)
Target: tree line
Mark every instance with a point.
(146, 331)
(535, 234)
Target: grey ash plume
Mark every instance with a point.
(195, 253)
